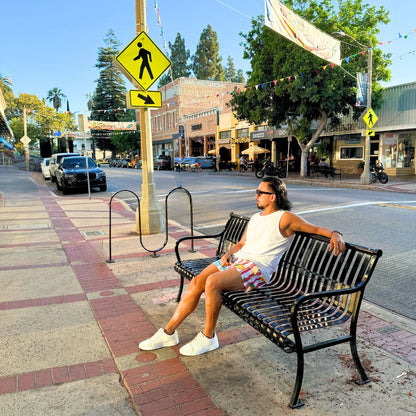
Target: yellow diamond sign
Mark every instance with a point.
(142, 62)
(137, 98)
(370, 118)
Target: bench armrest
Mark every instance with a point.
(318, 295)
(195, 237)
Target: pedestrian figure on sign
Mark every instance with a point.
(370, 120)
(146, 57)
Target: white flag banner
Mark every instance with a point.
(287, 23)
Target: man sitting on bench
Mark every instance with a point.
(249, 264)
(324, 168)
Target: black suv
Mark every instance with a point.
(72, 174)
(162, 162)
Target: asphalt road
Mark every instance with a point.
(376, 219)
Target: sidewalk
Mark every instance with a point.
(70, 324)
(405, 184)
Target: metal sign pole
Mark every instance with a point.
(83, 126)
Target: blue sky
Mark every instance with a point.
(49, 43)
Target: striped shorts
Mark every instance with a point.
(250, 273)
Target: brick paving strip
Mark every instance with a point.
(157, 387)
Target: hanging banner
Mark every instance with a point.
(288, 24)
(361, 96)
(111, 125)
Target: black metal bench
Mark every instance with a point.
(326, 170)
(311, 289)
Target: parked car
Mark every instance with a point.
(162, 163)
(54, 162)
(44, 166)
(189, 163)
(72, 174)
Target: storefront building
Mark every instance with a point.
(395, 135)
(187, 123)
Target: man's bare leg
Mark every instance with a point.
(229, 279)
(190, 299)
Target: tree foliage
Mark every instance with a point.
(41, 119)
(311, 94)
(206, 63)
(108, 102)
(179, 56)
(230, 72)
(55, 96)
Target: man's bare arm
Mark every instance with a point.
(291, 223)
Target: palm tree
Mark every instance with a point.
(5, 83)
(55, 96)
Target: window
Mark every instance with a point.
(225, 134)
(242, 133)
(351, 152)
(399, 150)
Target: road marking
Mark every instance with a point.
(397, 206)
(359, 204)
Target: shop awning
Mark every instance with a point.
(5, 143)
(255, 150)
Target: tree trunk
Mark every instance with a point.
(306, 147)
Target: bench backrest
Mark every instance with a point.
(233, 231)
(308, 267)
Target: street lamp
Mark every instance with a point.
(365, 178)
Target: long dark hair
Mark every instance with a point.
(279, 189)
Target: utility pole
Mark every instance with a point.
(365, 176)
(151, 211)
(25, 139)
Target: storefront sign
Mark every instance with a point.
(240, 140)
(223, 141)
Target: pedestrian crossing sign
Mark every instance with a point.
(142, 62)
(370, 118)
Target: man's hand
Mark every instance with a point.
(226, 259)
(336, 244)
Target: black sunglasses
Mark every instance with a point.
(258, 192)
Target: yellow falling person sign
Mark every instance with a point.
(142, 62)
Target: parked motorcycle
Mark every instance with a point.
(378, 174)
(269, 169)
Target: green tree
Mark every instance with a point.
(311, 95)
(240, 76)
(206, 63)
(231, 74)
(109, 98)
(179, 57)
(41, 119)
(6, 89)
(125, 142)
(55, 97)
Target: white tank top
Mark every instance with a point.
(264, 245)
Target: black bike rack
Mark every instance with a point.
(178, 188)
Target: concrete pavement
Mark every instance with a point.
(70, 324)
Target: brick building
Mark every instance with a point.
(187, 123)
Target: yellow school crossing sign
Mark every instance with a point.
(142, 62)
(137, 98)
(370, 118)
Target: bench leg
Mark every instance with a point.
(357, 362)
(178, 298)
(294, 402)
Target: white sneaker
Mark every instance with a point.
(159, 340)
(199, 345)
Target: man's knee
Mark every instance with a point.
(211, 283)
